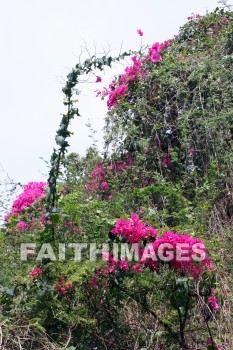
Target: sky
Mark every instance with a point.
(40, 42)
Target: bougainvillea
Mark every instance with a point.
(35, 272)
(183, 261)
(118, 88)
(32, 192)
(101, 175)
(166, 111)
(134, 229)
(21, 226)
(155, 51)
(62, 287)
(212, 300)
(193, 260)
(140, 32)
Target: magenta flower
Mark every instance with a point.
(62, 287)
(191, 151)
(104, 186)
(213, 301)
(32, 192)
(123, 265)
(137, 268)
(167, 162)
(114, 95)
(35, 272)
(154, 51)
(224, 20)
(98, 79)
(134, 229)
(139, 32)
(21, 226)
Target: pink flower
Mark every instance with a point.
(213, 301)
(114, 95)
(88, 187)
(118, 88)
(98, 79)
(191, 151)
(62, 287)
(35, 272)
(133, 72)
(154, 51)
(137, 268)
(104, 186)
(106, 256)
(139, 32)
(32, 192)
(123, 265)
(224, 20)
(154, 55)
(167, 162)
(134, 229)
(21, 226)
(93, 281)
(197, 16)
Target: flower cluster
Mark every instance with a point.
(98, 79)
(185, 254)
(167, 162)
(134, 229)
(62, 287)
(155, 50)
(118, 88)
(197, 16)
(119, 166)
(187, 264)
(70, 227)
(99, 176)
(32, 192)
(115, 95)
(35, 272)
(140, 32)
(113, 265)
(224, 20)
(21, 226)
(133, 72)
(212, 301)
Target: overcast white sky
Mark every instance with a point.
(40, 42)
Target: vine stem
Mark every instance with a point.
(210, 334)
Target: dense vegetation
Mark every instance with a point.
(165, 176)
